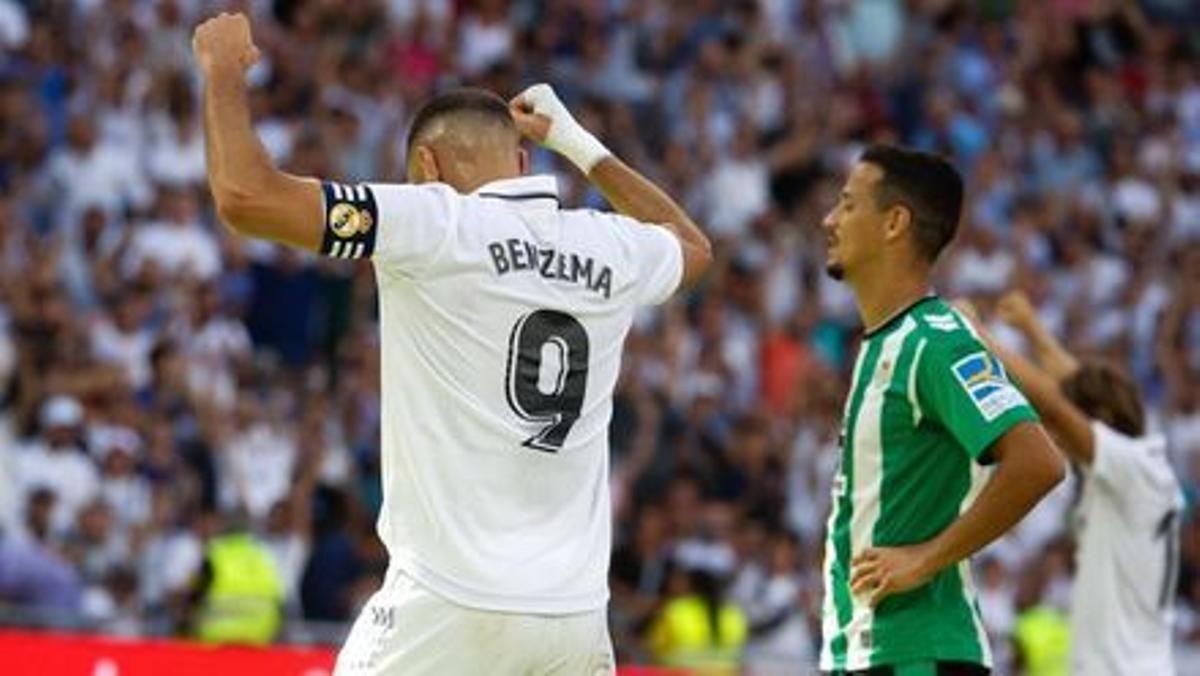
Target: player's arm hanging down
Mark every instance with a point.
(1027, 466)
(252, 196)
(1065, 421)
(542, 118)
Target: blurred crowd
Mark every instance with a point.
(163, 381)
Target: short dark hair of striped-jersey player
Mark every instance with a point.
(351, 220)
(928, 185)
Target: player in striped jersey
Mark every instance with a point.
(928, 407)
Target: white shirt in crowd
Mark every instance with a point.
(482, 45)
(256, 470)
(502, 322)
(737, 193)
(213, 350)
(68, 472)
(1127, 558)
(174, 155)
(105, 176)
(178, 249)
(128, 349)
(167, 564)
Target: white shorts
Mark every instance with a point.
(407, 629)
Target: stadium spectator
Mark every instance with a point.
(56, 460)
(698, 627)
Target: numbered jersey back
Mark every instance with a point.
(502, 324)
(1127, 558)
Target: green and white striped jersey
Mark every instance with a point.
(926, 402)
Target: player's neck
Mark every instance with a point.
(882, 297)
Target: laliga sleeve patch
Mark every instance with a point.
(351, 221)
(985, 382)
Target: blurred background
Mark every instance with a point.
(170, 393)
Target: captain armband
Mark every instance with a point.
(351, 221)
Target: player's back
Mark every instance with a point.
(502, 322)
(1127, 557)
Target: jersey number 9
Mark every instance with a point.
(556, 407)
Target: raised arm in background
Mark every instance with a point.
(1064, 420)
(1015, 309)
(252, 196)
(542, 118)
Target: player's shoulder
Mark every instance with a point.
(1150, 448)
(421, 203)
(607, 228)
(590, 215)
(940, 324)
(947, 342)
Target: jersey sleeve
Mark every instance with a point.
(658, 259)
(963, 386)
(402, 226)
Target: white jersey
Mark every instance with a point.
(1127, 558)
(502, 323)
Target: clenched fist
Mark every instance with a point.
(224, 41)
(541, 117)
(1016, 309)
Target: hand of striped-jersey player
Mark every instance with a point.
(880, 572)
(541, 117)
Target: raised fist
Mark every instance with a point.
(224, 41)
(1014, 308)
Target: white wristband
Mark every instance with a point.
(566, 136)
(577, 145)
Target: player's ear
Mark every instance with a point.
(898, 222)
(422, 165)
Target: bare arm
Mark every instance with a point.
(252, 196)
(1066, 422)
(542, 118)
(1027, 468)
(633, 195)
(1016, 309)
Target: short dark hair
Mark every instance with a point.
(468, 100)
(1104, 392)
(928, 185)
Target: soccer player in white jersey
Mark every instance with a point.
(1128, 515)
(502, 320)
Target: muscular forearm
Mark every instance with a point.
(237, 161)
(1021, 478)
(1052, 356)
(635, 196)
(251, 195)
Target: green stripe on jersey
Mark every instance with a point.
(926, 401)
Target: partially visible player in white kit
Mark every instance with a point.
(1128, 517)
(502, 320)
